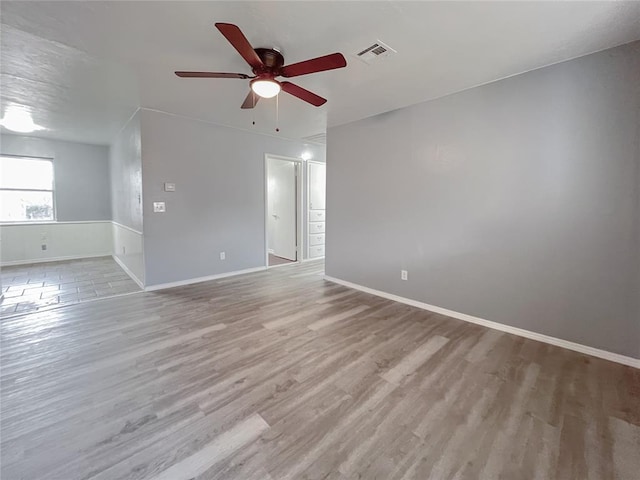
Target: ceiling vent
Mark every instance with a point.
(375, 52)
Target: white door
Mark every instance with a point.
(282, 208)
(317, 185)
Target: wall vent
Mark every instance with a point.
(375, 51)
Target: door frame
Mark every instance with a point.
(298, 163)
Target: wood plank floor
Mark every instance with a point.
(282, 375)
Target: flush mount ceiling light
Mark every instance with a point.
(265, 87)
(19, 120)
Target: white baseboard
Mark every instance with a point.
(127, 271)
(269, 267)
(190, 281)
(314, 259)
(595, 352)
(13, 263)
(53, 222)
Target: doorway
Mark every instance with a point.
(283, 210)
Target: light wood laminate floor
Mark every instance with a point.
(282, 375)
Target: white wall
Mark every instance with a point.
(21, 243)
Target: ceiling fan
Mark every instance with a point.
(268, 63)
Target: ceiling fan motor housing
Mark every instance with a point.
(272, 59)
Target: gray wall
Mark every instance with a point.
(81, 174)
(515, 202)
(125, 162)
(219, 200)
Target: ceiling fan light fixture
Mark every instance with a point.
(265, 87)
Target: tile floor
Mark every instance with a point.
(28, 288)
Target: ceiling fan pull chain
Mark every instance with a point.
(253, 116)
(277, 111)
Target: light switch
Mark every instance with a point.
(169, 187)
(159, 207)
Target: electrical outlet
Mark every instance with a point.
(404, 275)
(159, 207)
(169, 187)
(44, 246)
(223, 256)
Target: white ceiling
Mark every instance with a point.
(84, 67)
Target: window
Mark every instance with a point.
(26, 189)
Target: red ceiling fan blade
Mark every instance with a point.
(236, 38)
(320, 64)
(251, 100)
(303, 94)
(212, 75)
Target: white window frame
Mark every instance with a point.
(53, 190)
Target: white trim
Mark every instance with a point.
(299, 164)
(125, 227)
(52, 222)
(13, 263)
(558, 342)
(282, 265)
(28, 157)
(180, 283)
(123, 127)
(127, 271)
(279, 136)
(51, 190)
(314, 259)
